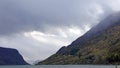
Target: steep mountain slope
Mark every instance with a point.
(10, 57)
(100, 45)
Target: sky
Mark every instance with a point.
(38, 28)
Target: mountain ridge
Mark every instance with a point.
(9, 56)
(100, 45)
(94, 30)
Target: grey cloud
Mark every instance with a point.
(27, 15)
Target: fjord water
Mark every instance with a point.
(61, 66)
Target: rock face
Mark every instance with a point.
(10, 57)
(100, 45)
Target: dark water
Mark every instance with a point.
(61, 66)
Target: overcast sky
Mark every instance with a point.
(38, 28)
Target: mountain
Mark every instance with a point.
(11, 57)
(100, 45)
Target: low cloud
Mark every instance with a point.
(37, 45)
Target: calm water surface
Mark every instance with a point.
(61, 66)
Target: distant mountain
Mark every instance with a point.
(11, 57)
(100, 45)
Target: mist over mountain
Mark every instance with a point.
(100, 45)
